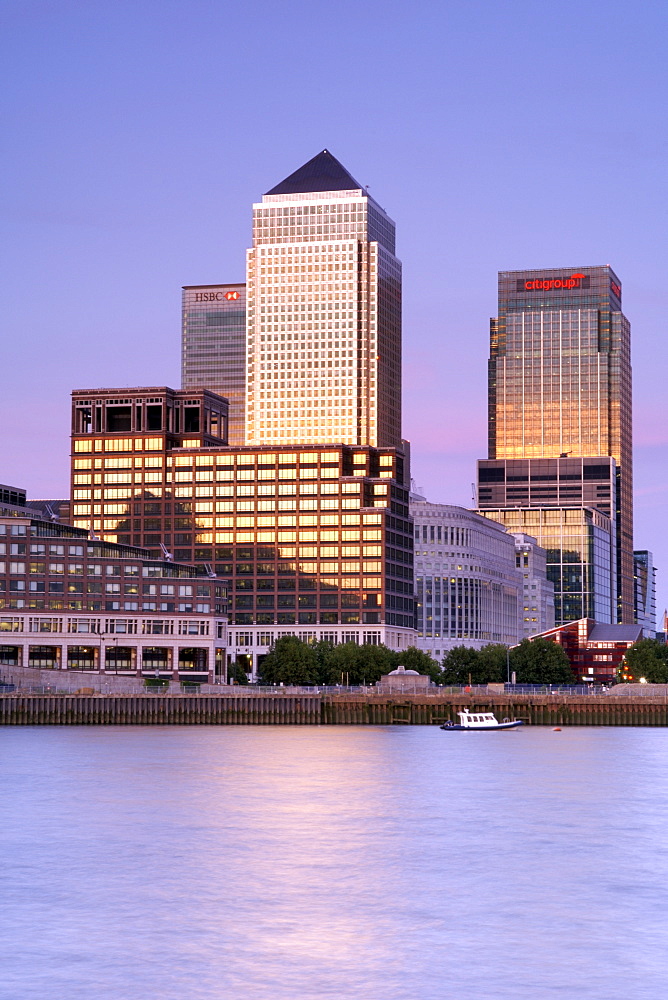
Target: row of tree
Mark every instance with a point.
(647, 659)
(291, 661)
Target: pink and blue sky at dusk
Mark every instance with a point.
(497, 135)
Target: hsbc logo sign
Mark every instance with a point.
(216, 296)
(557, 284)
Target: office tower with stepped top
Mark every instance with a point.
(324, 314)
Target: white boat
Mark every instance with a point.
(481, 721)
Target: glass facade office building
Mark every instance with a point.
(577, 541)
(213, 347)
(645, 591)
(560, 386)
(324, 314)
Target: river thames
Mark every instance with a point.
(291, 863)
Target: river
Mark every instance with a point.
(295, 863)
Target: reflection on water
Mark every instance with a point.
(371, 862)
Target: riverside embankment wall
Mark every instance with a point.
(323, 709)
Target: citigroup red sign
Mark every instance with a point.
(548, 284)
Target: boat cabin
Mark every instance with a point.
(477, 719)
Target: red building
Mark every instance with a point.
(595, 651)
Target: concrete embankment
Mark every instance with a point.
(323, 709)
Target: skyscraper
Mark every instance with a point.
(560, 391)
(213, 347)
(324, 314)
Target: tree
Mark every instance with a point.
(358, 664)
(481, 666)
(493, 659)
(289, 661)
(237, 672)
(461, 664)
(539, 661)
(416, 659)
(647, 658)
(323, 652)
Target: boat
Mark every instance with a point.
(481, 721)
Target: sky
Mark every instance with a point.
(498, 136)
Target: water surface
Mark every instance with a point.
(380, 863)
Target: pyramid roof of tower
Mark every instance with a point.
(322, 173)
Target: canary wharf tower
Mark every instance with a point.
(323, 352)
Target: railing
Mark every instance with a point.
(134, 685)
(434, 691)
(564, 689)
(98, 686)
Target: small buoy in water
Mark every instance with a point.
(557, 729)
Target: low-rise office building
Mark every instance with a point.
(69, 602)
(595, 651)
(469, 588)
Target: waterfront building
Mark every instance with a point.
(469, 589)
(213, 347)
(578, 542)
(560, 388)
(595, 651)
(324, 314)
(645, 592)
(520, 485)
(71, 602)
(315, 540)
(537, 607)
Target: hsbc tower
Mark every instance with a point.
(213, 347)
